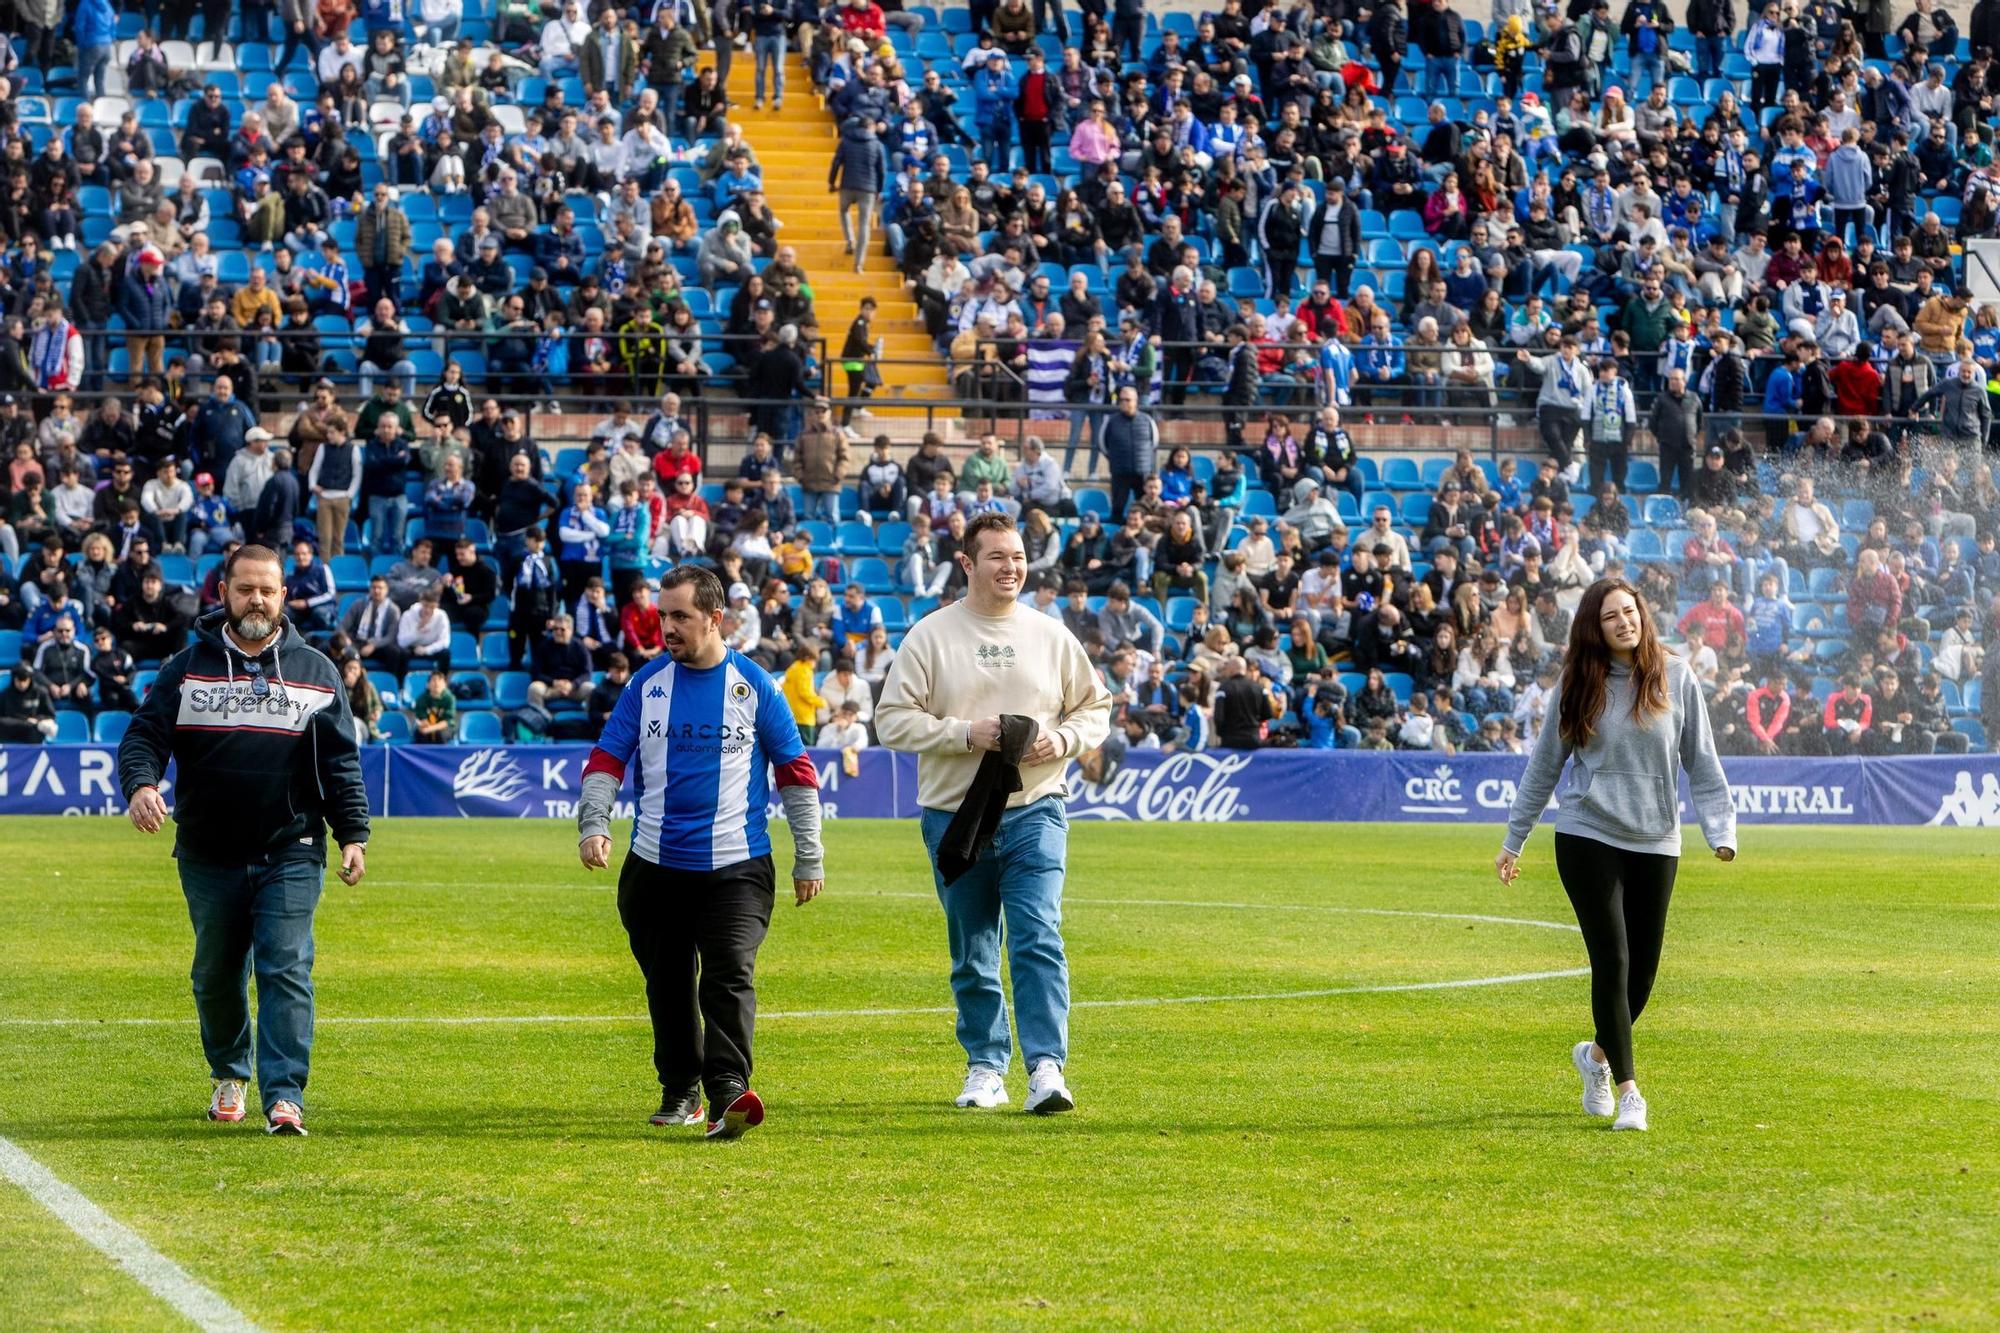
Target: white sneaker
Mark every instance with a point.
(1506, 421)
(983, 1089)
(1572, 472)
(1597, 1098)
(227, 1102)
(1047, 1093)
(1631, 1111)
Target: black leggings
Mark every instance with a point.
(1620, 899)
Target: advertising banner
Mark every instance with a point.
(543, 782)
(83, 780)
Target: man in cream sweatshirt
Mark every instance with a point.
(958, 672)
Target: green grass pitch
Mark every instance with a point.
(1822, 1060)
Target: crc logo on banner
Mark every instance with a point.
(1179, 788)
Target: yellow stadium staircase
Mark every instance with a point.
(794, 147)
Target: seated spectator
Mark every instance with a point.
(424, 632)
(640, 628)
(434, 713)
(27, 710)
(311, 600)
(62, 666)
(372, 625)
(469, 588)
(151, 627)
(561, 667)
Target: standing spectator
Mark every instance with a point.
(822, 463)
(335, 481)
(1131, 449)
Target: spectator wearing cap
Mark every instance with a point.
(822, 463)
(145, 303)
(27, 710)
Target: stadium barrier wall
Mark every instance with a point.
(542, 781)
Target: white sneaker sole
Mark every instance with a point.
(1579, 1058)
(1053, 1102)
(976, 1101)
(1636, 1125)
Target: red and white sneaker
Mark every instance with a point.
(740, 1114)
(285, 1118)
(227, 1103)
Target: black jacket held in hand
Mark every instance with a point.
(978, 817)
(258, 773)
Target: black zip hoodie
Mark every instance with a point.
(260, 775)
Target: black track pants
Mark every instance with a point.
(695, 935)
(1620, 899)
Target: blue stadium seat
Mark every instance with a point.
(1259, 503)
(10, 646)
(1973, 731)
(109, 728)
(1662, 510)
(388, 687)
(872, 573)
(395, 728)
(472, 690)
(510, 689)
(890, 536)
(1400, 474)
(464, 648)
(1645, 544)
(1092, 500)
(493, 651)
(1643, 476)
(1416, 508)
(854, 536)
(72, 728)
(480, 728)
(1824, 582)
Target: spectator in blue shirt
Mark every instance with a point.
(854, 618)
(310, 597)
(219, 426)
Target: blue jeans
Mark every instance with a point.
(255, 917)
(1647, 71)
(388, 513)
(994, 142)
(1083, 419)
(822, 505)
(1708, 56)
(1440, 76)
(770, 51)
(1021, 876)
(91, 63)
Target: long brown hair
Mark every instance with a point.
(1588, 665)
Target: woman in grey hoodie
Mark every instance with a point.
(1630, 717)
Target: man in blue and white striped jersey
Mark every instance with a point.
(699, 730)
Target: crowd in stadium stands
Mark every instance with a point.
(308, 274)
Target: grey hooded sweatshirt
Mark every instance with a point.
(1623, 788)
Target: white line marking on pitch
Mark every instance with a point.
(122, 1245)
(1138, 1002)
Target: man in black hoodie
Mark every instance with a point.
(258, 726)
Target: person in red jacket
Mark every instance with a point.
(1767, 710)
(639, 625)
(1857, 385)
(863, 19)
(1715, 618)
(1849, 713)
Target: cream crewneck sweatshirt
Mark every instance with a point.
(956, 668)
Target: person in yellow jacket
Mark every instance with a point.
(800, 691)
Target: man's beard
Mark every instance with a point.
(253, 626)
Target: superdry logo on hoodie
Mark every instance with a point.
(212, 703)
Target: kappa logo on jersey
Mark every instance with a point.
(220, 705)
(656, 693)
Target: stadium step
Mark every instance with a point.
(794, 148)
